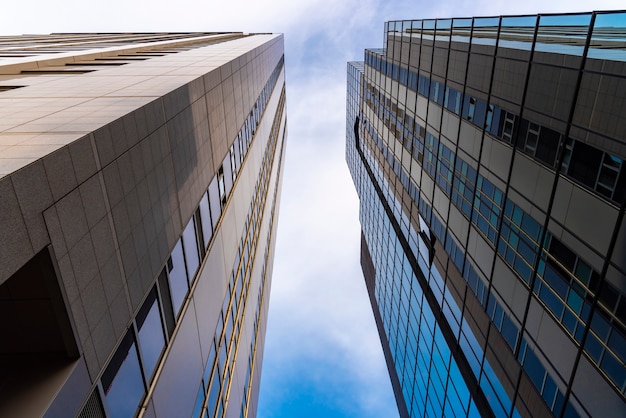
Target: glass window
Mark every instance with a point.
(166, 299)
(199, 401)
(214, 201)
(150, 334)
(122, 381)
(205, 220)
(177, 277)
(228, 175)
(585, 163)
(190, 242)
(213, 393)
(221, 186)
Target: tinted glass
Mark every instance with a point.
(151, 338)
(205, 220)
(609, 32)
(214, 201)
(126, 389)
(190, 243)
(177, 277)
(228, 175)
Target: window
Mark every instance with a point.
(150, 333)
(177, 276)
(221, 186)
(471, 108)
(205, 220)
(215, 201)
(166, 299)
(122, 381)
(585, 163)
(532, 137)
(547, 146)
(608, 175)
(508, 124)
(190, 243)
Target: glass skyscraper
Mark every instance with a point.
(140, 179)
(487, 154)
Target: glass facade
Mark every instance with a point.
(475, 151)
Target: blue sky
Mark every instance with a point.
(322, 353)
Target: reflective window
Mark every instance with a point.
(205, 220)
(221, 186)
(199, 401)
(228, 175)
(150, 335)
(122, 381)
(214, 201)
(190, 242)
(166, 299)
(177, 277)
(608, 33)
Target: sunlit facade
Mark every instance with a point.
(488, 158)
(140, 180)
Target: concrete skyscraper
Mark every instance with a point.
(140, 180)
(488, 158)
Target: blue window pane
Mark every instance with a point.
(213, 393)
(197, 409)
(509, 331)
(177, 277)
(617, 342)
(534, 368)
(151, 338)
(190, 243)
(600, 325)
(209, 363)
(614, 369)
(126, 389)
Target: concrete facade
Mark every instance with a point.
(130, 166)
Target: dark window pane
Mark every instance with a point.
(585, 163)
(122, 382)
(177, 277)
(150, 335)
(168, 310)
(547, 146)
(563, 254)
(534, 369)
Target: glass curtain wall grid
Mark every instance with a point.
(427, 118)
(131, 371)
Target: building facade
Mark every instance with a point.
(140, 180)
(488, 158)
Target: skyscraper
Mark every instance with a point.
(140, 178)
(488, 158)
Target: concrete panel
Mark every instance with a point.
(470, 139)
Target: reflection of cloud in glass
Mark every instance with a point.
(151, 339)
(127, 388)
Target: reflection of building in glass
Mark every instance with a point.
(488, 157)
(139, 186)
